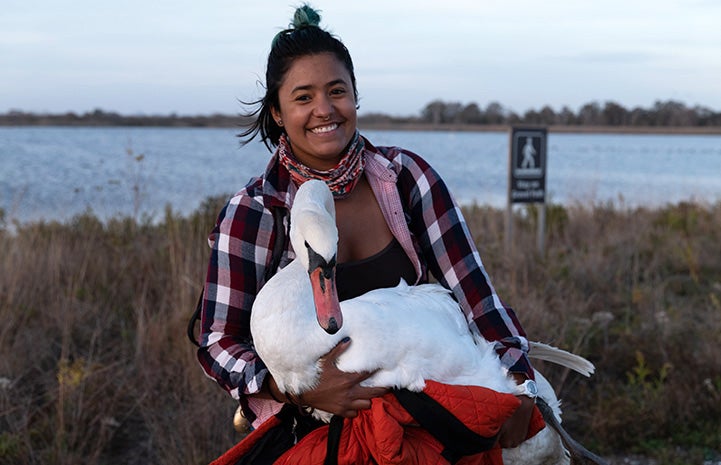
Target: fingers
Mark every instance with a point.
(356, 390)
(353, 407)
(341, 392)
(371, 392)
(339, 348)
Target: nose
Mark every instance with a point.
(323, 108)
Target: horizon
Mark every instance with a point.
(104, 111)
(187, 58)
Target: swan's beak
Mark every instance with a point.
(325, 295)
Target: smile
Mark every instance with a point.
(324, 129)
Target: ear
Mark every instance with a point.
(275, 113)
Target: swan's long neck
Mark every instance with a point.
(314, 236)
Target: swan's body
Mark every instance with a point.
(408, 333)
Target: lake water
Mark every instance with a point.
(54, 172)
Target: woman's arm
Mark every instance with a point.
(451, 256)
(241, 245)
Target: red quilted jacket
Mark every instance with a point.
(387, 434)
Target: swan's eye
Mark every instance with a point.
(307, 246)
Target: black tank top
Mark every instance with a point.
(384, 269)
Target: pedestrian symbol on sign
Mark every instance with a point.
(528, 154)
(528, 160)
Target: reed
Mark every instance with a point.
(96, 367)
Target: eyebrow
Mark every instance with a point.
(328, 84)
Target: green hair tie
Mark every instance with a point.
(305, 16)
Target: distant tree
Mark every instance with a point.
(375, 118)
(706, 116)
(567, 116)
(531, 116)
(513, 118)
(471, 114)
(495, 113)
(547, 116)
(70, 117)
(614, 114)
(672, 113)
(590, 114)
(703, 115)
(639, 117)
(452, 112)
(433, 112)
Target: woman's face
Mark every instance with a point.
(317, 109)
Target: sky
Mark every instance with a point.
(192, 57)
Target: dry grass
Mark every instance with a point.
(99, 368)
(96, 367)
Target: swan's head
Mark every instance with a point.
(314, 236)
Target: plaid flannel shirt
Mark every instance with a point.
(421, 213)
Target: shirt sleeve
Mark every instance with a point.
(241, 244)
(452, 258)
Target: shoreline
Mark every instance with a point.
(558, 129)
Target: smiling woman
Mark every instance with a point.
(317, 109)
(395, 220)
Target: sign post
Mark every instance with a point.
(527, 176)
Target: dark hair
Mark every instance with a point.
(304, 37)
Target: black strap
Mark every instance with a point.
(333, 446)
(293, 427)
(279, 214)
(190, 330)
(457, 439)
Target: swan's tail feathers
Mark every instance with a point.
(541, 351)
(579, 454)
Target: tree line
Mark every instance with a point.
(99, 117)
(668, 113)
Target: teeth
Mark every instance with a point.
(323, 129)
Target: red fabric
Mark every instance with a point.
(385, 434)
(246, 444)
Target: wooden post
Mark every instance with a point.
(542, 229)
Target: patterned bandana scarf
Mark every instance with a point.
(341, 180)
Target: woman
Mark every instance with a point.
(395, 219)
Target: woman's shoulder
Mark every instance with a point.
(258, 197)
(412, 171)
(267, 191)
(402, 158)
(250, 195)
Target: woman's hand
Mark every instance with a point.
(338, 392)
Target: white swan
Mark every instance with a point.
(410, 334)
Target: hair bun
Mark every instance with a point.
(305, 16)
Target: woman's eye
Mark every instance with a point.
(338, 91)
(302, 98)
